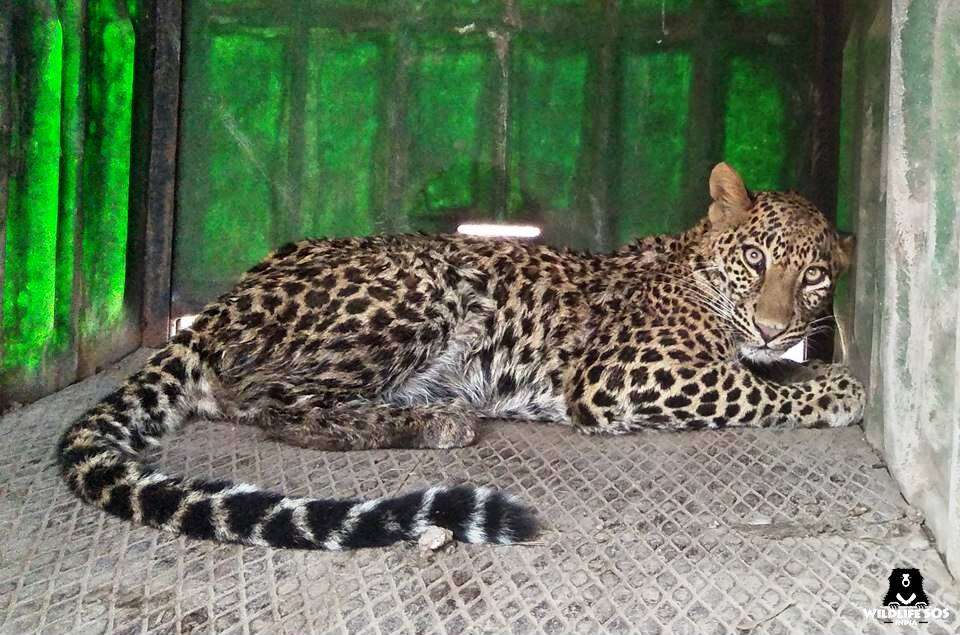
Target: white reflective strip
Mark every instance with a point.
(499, 231)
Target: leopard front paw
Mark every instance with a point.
(836, 398)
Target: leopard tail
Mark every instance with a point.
(100, 457)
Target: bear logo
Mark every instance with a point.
(906, 589)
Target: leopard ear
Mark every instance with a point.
(845, 248)
(731, 202)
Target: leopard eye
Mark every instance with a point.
(754, 257)
(814, 275)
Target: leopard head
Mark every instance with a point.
(772, 260)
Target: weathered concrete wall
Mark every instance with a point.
(900, 188)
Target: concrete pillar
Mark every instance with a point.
(902, 188)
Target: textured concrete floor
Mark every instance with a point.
(710, 532)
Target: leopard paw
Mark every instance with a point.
(837, 399)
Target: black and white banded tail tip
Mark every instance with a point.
(477, 515)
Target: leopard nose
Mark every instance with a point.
(769, 330)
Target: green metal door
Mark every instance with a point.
(69, 302)
(597, 120)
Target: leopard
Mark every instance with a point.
(410, 341)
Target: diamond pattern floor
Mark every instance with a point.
(710, 532)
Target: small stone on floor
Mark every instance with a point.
(434, 538)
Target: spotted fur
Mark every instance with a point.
(404, 341)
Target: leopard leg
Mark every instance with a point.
(368, 426)
(619, 399)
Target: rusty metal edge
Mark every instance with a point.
(69, 363)
(161, 171)
(6, 67)
(830, 34)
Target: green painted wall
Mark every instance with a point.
(653, 138)
(30, 282)
(69, 69)
(345, 117)
(413, 116)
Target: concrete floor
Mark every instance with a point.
(710, 532)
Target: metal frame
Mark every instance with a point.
(821, 181)
(6, 75)
(831, 30)
(159, 202)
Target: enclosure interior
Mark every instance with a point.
(152, 151)
(597, 121)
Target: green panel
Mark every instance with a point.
(71, 146)
(341, 127)
(106, 173)
(233, 153)
(29, 288)
(246, 95)
(653, 137)
(755, 124)
(445, 123)
(547, 125)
